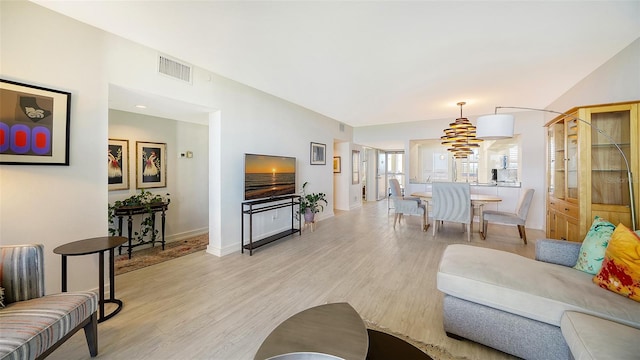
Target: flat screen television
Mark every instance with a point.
(268, 176)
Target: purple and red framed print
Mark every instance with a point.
(34, 125)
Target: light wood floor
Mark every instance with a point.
(203, 307)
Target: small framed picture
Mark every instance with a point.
(118, 164)
(336, 164)
(151, 165)
(355, 166)
(34, 125)
(318, 154)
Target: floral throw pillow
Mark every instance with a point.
(620, 270)
(594, 246)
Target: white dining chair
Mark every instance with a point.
(408, 207)
(405, 205)
(518, 218)
(452, 203)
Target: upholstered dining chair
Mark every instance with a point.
(395, 191)
(405, 204)
(452, 203)
(408, 207)
(518, 218)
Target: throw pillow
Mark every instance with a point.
(620, 270)
(594, 246)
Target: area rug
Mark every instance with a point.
(155, 255)
(434, 351)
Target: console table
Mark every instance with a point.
(129, 211)
(258, 206)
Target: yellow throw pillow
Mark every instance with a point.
(620, 271)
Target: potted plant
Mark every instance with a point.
(310, 204)
(144, 199)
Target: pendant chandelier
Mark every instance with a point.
(460, 136)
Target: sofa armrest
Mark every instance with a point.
(559, 252)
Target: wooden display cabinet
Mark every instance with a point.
(563, 179)
(586, 174)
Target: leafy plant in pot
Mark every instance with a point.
(311, 204)
(144, 199)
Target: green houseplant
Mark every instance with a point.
(310, 204)
(145, 199)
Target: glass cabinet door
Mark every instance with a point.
(571, 160)
(556, 160)
(609, 180)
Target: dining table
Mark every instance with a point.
(477, 200)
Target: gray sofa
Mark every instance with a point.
(535, 309)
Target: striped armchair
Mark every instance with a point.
(32, 324)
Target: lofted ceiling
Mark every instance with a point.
(367, 63)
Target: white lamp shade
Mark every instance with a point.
(494, 127)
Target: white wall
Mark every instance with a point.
(533, 151)
(617, 80)
(273, 127)
(54, 205)
(187, 178)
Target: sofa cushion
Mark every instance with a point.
(30, 327)
(594, 246)
(620, 270)
(526, 287)
(590, 337)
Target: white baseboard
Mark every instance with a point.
(186, 234)
(219, 252)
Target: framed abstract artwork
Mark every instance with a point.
(34, 125)
(336, 164)
(118, 164)
(318, 154)
(151, 165)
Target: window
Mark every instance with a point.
(494, 160)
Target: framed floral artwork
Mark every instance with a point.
(118, 164)
(151, 165)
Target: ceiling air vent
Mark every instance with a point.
(173, 68)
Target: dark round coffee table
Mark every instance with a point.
(383, 346)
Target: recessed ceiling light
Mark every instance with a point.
(141, 106)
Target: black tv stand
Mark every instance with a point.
(257, 206)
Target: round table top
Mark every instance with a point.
(90, 246)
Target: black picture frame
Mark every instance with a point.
(34, 123)
(318, 154)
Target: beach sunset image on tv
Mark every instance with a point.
(268, 176)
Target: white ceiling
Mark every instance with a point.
(366, 63)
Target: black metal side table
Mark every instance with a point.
(92, 246)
